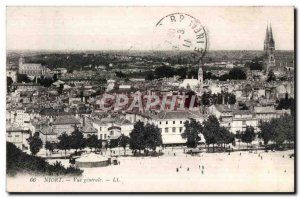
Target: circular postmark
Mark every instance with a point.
(181, 34)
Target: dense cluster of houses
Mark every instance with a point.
(33, 108)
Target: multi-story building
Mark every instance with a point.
(17, 136)
(31, 69)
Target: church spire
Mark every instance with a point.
(271, 33)
(271, 39)
(267, 34)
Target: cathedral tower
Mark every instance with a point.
(269, 48)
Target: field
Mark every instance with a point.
(221, 172)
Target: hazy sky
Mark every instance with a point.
(123, 28)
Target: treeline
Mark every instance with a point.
(213, 132)
(286, 103)
(278, 130)
(70, 61)
(255, 64)
(44, 81)
(20, 162)
(184, 72)
(144, 137)
(219, 98)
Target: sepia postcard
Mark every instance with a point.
(150, 99)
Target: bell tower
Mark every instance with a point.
(269, 48)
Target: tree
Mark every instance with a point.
(136, 137)
(255, 65)
(92, 142)
(60, 89)
(231, 99)
(289, 129)
(238, 136)
(64, 142)
(54, 77)
(205, 99)
(150, 76)
(224, 136)
(211, 129)
(50, 146)
(192, 132)
(271, 76)
(248, 135)
(266, 132)
(283, 130)
(164, 71)
(77, 140)
(152, 137)
(35, 144)
(248, 89)
(23, 78)
(237, 74)
(9, 82)
(113, 143)
(46, 81)
(123, 141)
(144, 137)
(285, 103)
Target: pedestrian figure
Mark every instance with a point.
(284, 171)
(229, 153)
(202, 172)
(261, 157)
(176, 169)
(174, 154)
(202, 167)
(180, 166)
(240, 154)
(199, 166)
(188, 169)
(283, 156)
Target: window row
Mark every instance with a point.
(173, 129)
(167, 122)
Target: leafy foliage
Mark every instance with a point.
(220, 98)
(35, 144)
(144, 137)
(123, 142)
(77, 140)
(50, 146)
(64, 142)
(216, 134)
(23, 78)
(278, 130)
(19, 162)
(271, 76)
(192, 133)
(248, 135)
(93, 142)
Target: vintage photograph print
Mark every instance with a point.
(150, 99)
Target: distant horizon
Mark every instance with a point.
(109, 50)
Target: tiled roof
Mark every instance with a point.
(179, 115)
(66, 120)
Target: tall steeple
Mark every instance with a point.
(269, 48)
(271, 40)
(266, 39)
(267, 35)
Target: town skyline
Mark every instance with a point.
(57, 30)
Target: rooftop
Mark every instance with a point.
(66, 120)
